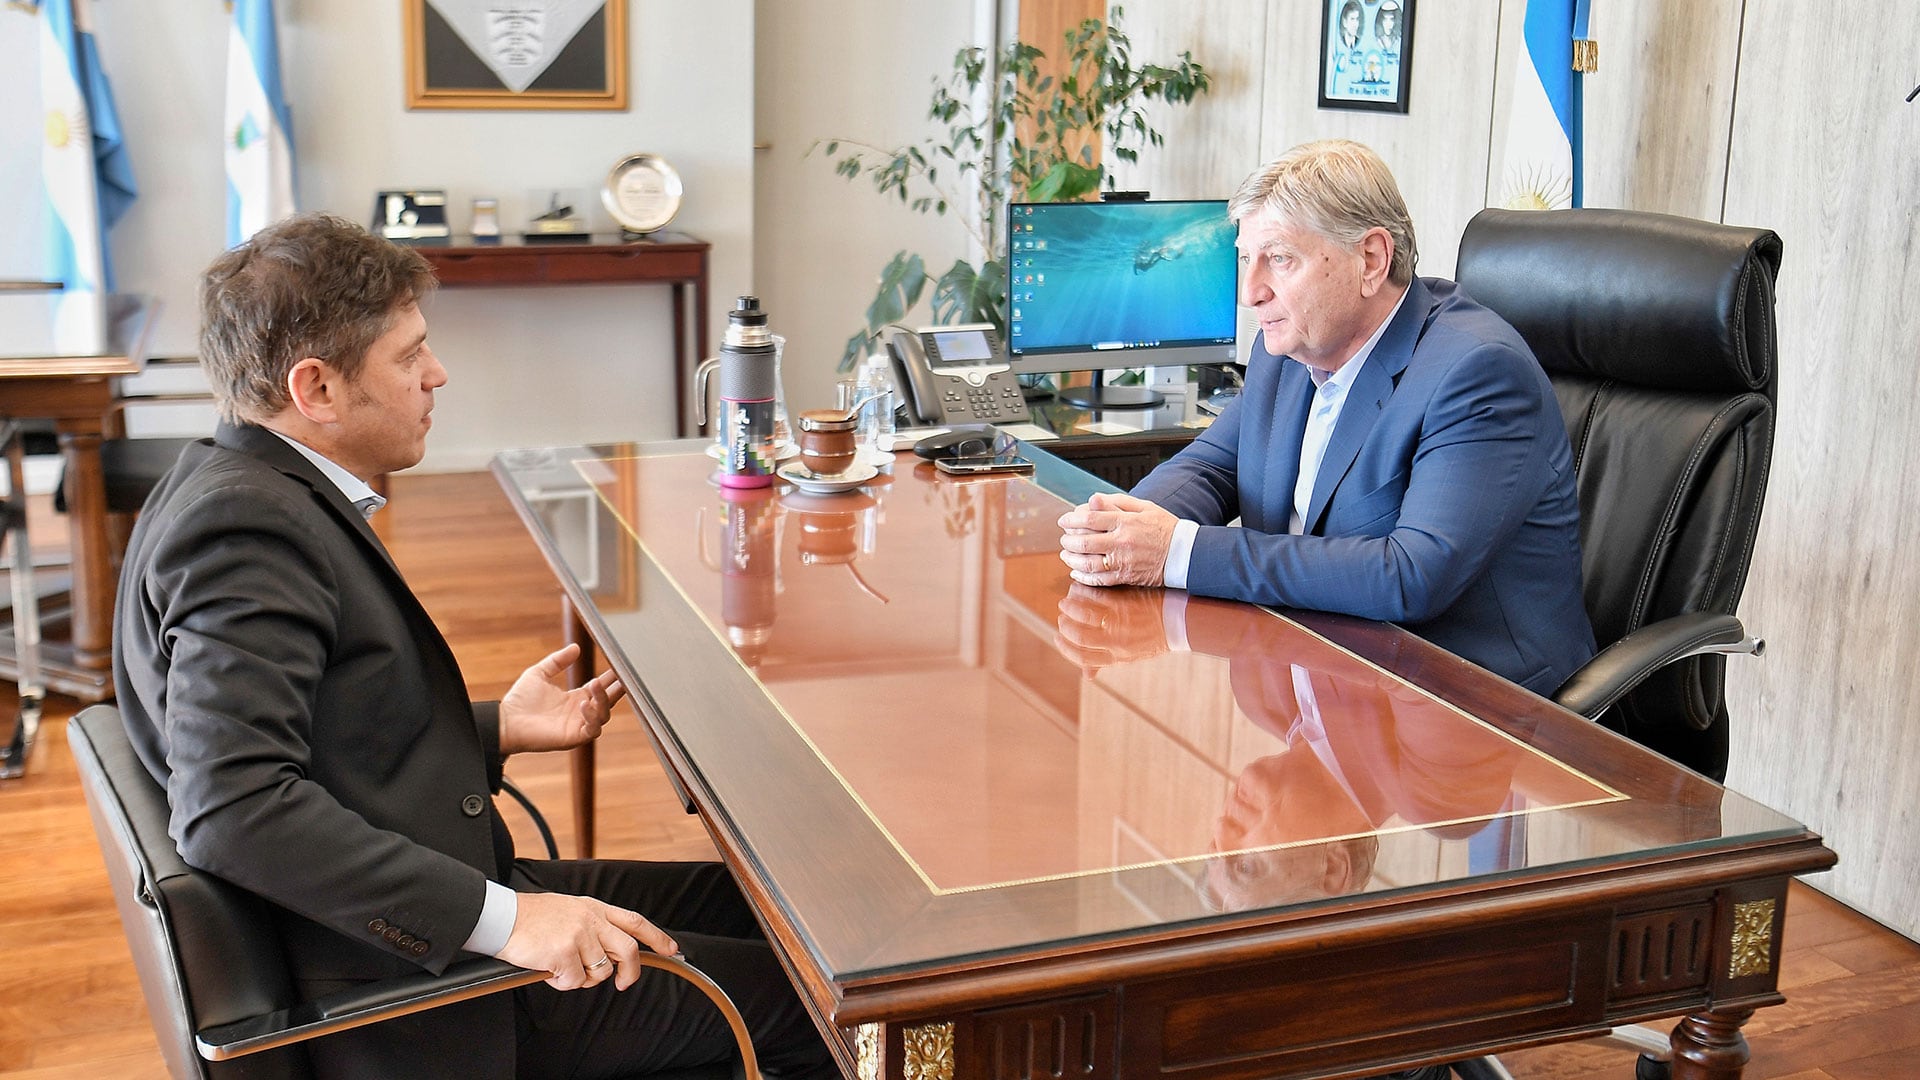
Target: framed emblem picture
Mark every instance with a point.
(516, 54)
(1366, 50)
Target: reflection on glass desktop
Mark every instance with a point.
(1096, 286)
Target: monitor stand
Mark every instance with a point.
(1099, 396)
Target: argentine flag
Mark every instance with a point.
(84, 164)
(1541, 169)
(259, 132)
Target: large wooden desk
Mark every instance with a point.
(991, 840)
(671, 258)
(61, 358)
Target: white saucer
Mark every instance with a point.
(785, 451)
(803, 478)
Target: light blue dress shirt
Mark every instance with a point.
(1330, 396)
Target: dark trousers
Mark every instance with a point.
(663, 1021)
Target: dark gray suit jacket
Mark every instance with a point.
(315, 737)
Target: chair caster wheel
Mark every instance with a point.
(1647, 1068)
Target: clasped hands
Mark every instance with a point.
(1116, 539)
(1099, 628)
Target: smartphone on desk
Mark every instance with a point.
(983, 466)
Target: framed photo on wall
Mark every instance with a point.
(516, 54)
(1366, 50)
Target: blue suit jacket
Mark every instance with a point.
(1445, 501)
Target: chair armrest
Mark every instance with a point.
(389, 998)
(1626, 663)
(361, 1005)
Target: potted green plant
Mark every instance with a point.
(989, 105)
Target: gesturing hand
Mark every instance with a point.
(540, 713)
(580, 940)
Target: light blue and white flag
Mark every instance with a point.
(1541, 168)
(88, 175)
(259, 129)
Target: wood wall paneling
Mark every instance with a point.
(1438, 150)
(1044, 24)
(1657, 110)
(1212, 144)
(1822, 152)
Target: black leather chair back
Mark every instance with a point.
(207, 952)
(1658, 335)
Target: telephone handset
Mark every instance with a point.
(956, 375)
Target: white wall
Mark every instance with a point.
(529, 366)
(821, 240)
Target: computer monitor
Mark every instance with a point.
(1099, 285)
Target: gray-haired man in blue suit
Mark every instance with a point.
(1397, 452)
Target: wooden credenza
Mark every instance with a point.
(665, 258)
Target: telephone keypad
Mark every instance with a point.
(996, 398)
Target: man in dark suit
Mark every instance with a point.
(1397, 452)
(314, 732)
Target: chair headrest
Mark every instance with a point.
(1651, 299)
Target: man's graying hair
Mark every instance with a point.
(1337, 188)
(310, 285)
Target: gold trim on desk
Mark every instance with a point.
(1751, 950)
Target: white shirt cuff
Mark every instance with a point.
(497, 914)
(1180, 553)
(1173, 621)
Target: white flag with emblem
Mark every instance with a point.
(259, 129)
(1541, 169)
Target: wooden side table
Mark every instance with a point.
(674, 259)
(61, 358)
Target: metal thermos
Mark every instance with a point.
(749, 393)
(749, 569)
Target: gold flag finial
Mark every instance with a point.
(1586, 55)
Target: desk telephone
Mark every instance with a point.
(956, 375)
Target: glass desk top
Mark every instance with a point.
(902, 715)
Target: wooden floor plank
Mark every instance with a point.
(70, 1006)
(1884, 1035)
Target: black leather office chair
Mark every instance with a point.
(209, 959)
(131, 469)
(1658, 335)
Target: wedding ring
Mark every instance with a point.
(600, 963)
(1106, 560)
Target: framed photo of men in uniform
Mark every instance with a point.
(516, 54)
(1366, 51)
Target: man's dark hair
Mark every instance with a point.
(310, 285)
